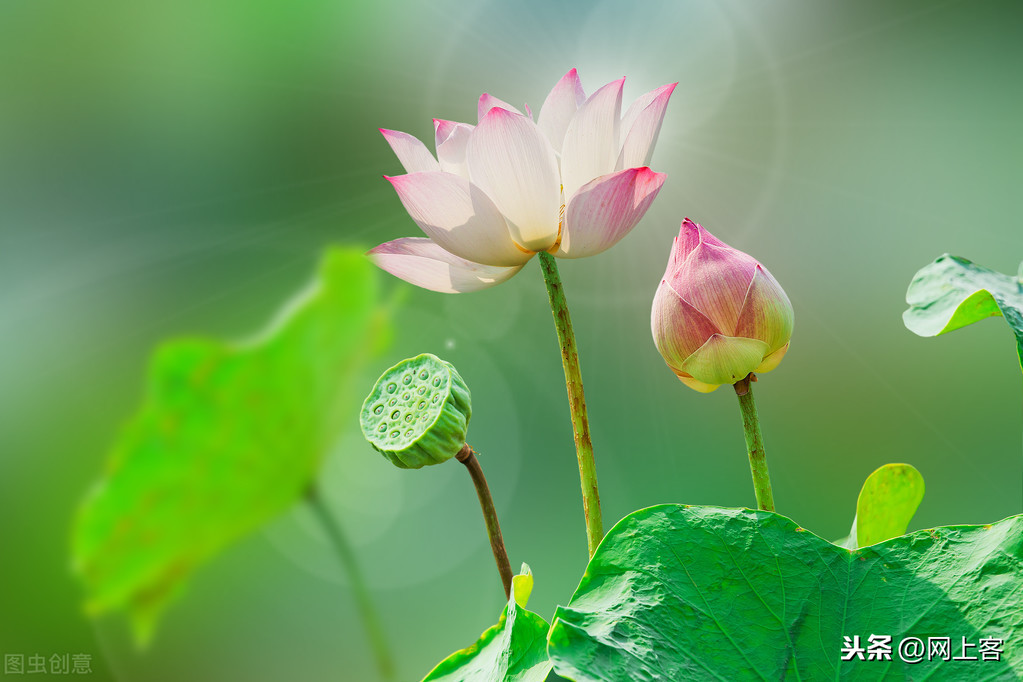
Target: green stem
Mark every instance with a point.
(576, 401)
(467, 457)
(345, 553)
(755, 443)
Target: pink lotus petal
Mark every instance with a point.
(606, 209)
(458, 217)
(591, 140)
(766, 311)
(511, 160)
(678, 328)
(725, 359)
(452, 139)
(423, 263)
(560, 106)
(413, 154)
(714, 279)
(488, 102)
(690, 236)
(640, 129)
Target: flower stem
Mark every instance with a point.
(345, 553)
(576, 401)
(467, 457)
(755, 443)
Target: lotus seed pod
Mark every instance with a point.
(418, 412)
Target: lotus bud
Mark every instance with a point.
(418, 412)
(718, 314)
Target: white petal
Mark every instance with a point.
(560, 106)
(423, 263)
(412, 153)
(511, 160)
(591, 141)
(451, 140)
(488, 102)
(605, 210)
(641, 103)
(641, 125)
(458, 217)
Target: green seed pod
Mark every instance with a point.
(418, 412)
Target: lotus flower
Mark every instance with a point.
(573, 183)
(718, 314)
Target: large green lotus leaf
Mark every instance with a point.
(888, 500)
(702, 593)
(514, 650)
(952, 292)
(228, 436)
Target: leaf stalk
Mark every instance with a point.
(364, 602)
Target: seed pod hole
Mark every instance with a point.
(424, 375)
(392, 387)
(407, 379)
(378, 409)
(395, 414)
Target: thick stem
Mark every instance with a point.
(467, 457)
(576, 401)
(345, 553)
(755, 443)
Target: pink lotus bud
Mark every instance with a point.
(718, 314)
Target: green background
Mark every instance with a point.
(173, 168)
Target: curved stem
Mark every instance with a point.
(755, 443)
(576, 401)
(467, 457)
(345, 553)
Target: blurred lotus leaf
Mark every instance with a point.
(952, 292)
(887, 502)
(703, 593)
(229, 436)
(514, 650)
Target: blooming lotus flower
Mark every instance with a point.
(573, 183)
(718, 314)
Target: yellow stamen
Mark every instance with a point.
(561, 223)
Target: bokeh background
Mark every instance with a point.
(177, 168)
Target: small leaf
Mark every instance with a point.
(888, 499)
(522, 585)
(514, 650)
(952, 292)
(229, 436)
(703, 593)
